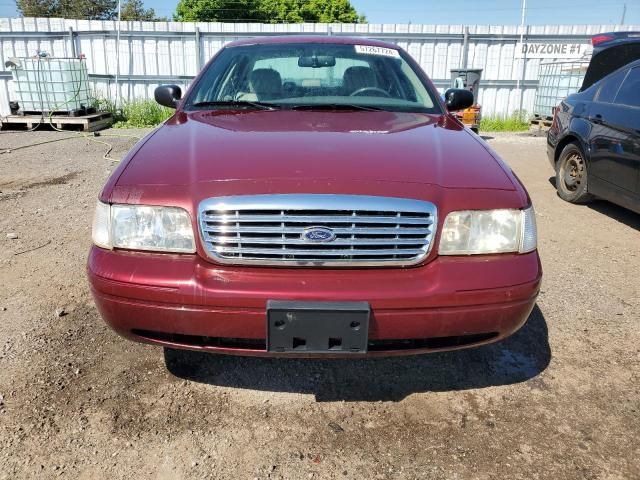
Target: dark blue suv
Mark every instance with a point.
(594, 141)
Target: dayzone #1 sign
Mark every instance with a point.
(552, 50)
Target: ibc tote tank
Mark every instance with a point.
(45, 84)
(557, 80)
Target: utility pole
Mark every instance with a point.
(624, 13)
(519, 87)
(118, 55)
(465, 48)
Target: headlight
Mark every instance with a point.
(473, 232)
(140, 227)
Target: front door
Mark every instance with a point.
(615, 132)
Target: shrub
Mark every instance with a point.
(142, 113)
(135, 114)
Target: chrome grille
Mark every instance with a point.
(273, 230)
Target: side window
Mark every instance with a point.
(629, 93)
(610, 87)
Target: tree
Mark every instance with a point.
(276, 11)
(329, 11)
(215, 10)
(88, 9)
(268, 11)
(134, 10)
(36, 8)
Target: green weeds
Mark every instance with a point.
(135, 114)
(514, 123)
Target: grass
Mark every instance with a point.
(147, 113)
(513, 123)
(135, 114)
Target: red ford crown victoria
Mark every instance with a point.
(312, 196)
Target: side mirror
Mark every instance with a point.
(458, 99)
(168, 95)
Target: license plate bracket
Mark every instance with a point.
(317, 327)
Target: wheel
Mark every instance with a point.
(571, 175)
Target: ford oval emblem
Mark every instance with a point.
(318, 234)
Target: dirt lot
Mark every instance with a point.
(559, 400)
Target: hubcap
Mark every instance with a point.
(573, 172)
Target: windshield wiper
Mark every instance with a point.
(236, 103)
(336, 106)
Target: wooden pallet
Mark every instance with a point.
(79, 112)
(88, 123)
(540, 122)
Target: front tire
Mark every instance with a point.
(571, 175)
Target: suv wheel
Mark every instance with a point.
(571, 175)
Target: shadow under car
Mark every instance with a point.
(515, 359)
(621, 214)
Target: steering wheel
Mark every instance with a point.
(359, 91)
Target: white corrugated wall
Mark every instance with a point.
(151, 53)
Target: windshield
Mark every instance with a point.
(312, 75)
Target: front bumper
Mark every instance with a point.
(183, 301)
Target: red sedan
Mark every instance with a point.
(313, 196)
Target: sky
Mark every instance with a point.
(468, 12)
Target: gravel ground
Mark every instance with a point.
(558, 400)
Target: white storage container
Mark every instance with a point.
(557, 80)
(44, 84)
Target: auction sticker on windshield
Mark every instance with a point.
(370, 50)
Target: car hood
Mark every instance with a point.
(300, 146)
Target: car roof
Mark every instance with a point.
(329, 39)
